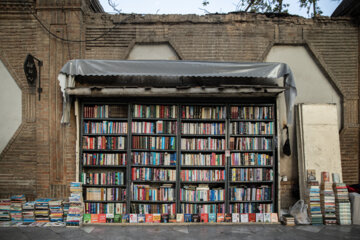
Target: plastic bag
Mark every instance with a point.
(299, 212)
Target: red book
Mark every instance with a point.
(220, 217)
(102, 218)
(204, 217)
(252, 217)
(148, 218)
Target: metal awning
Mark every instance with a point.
(79, 76)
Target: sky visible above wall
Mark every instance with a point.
(196, 7)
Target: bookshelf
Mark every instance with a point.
(180, 157)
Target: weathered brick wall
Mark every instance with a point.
(40, 160)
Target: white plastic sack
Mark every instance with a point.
(299, 212)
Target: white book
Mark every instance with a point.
(235, 217)
(133, 218)
(267, 217)
(259, 217)
(244, 217)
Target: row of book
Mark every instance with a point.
(203, 112)
(102, 142)
(252, 112)
(106, 194)
(251, 159)
(245, 193)
(251, 208)
(104, 159)
(201, 193)
(155, 111)
(314, 204)
(203, 128)
(202, 175)
(200, 159)
(96, 111)
(158, 127)
(105, 127)
(203, 143)
(169, 208)
(328, 203)
(75, 212)
(252, 128)
(342, 204)
(252, 174)
(103, 178)
(154, 158)
(153, 174)
(160, 143)
(109, 209)
(202, 208)
(165, 192)
(250, 143)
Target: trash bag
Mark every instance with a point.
(299, 212)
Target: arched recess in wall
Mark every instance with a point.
(152, 51)
(312, 85)
(10, 106)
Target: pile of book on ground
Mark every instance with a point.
(56, 211)
(5, 209)
(42, 210)
(313, 199)
(28, 212)
(327, 200)
(288, 220)
(16, 207)
(75, 213)
(342, 203)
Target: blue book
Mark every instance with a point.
(187, 217)
(212, 217)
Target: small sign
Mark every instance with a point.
(30, 69)
(227, 153)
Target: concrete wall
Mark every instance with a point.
(152, 52)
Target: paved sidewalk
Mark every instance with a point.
(218, 232)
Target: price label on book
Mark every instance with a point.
(227, 153)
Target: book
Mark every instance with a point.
(235, 217)
(212, 217)
(252, 217)
(102, 218)
(204, 217)
(141, 218)
(87, 218)
(156, 217)
(325, 177)
(267, 217)
(94, 218)
(259, 217)
(133, 218)
(220, 217)
(165, 218)
(187, 217)
(228, 217)
(180, 217)
(125, 218)
(244, 217)
(195, 218)
(172, 218)
(148, 218)
(117, 218)
(311, 175)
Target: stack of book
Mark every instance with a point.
(16, 207)
(313, 198)
(42, 210)
(56, 211)
(66, 206)
(288, 220)
(327, 200)
(342, 203)
(5, 209)
(74, 216)
(28, 212)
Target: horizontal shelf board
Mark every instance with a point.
(252, 151)
(154, 134)
(251, 201)
(199, 166)
(203, 202)
(106, 119)
(251, 120)
(203, 135)
(154, 166)
(249, 182)
(104, 166)
(152, 150)
(105, 201)
(108, 185)
(202, 151)
(201, 120)
(251, 166)
(152, 181)
(204, 182)
(150, 201)
(104, 150)
(105, 134)
(153, 119)
(252, 135)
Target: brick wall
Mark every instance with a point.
(40, 159)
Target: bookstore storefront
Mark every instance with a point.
(168, 139)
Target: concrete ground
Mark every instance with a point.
(208, 232)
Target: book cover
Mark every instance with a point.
(311, 175)
(220, 217)
(244, 217)
(195, 218)
(94, 218)
(267, 217)
(252, 217)
(141, 218)
(148, 218)
(87, 218)
(133, 218)
(228, 217)
(235, 217)
(212, 217)
(187, 217)
(165, 218)
(274, 217)
(156, 217)
(172, 218)
(204, 217)
(259, 217)
(325, 177)
(125, 218)
(180, 217)
(117, 218)
(102, 218)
